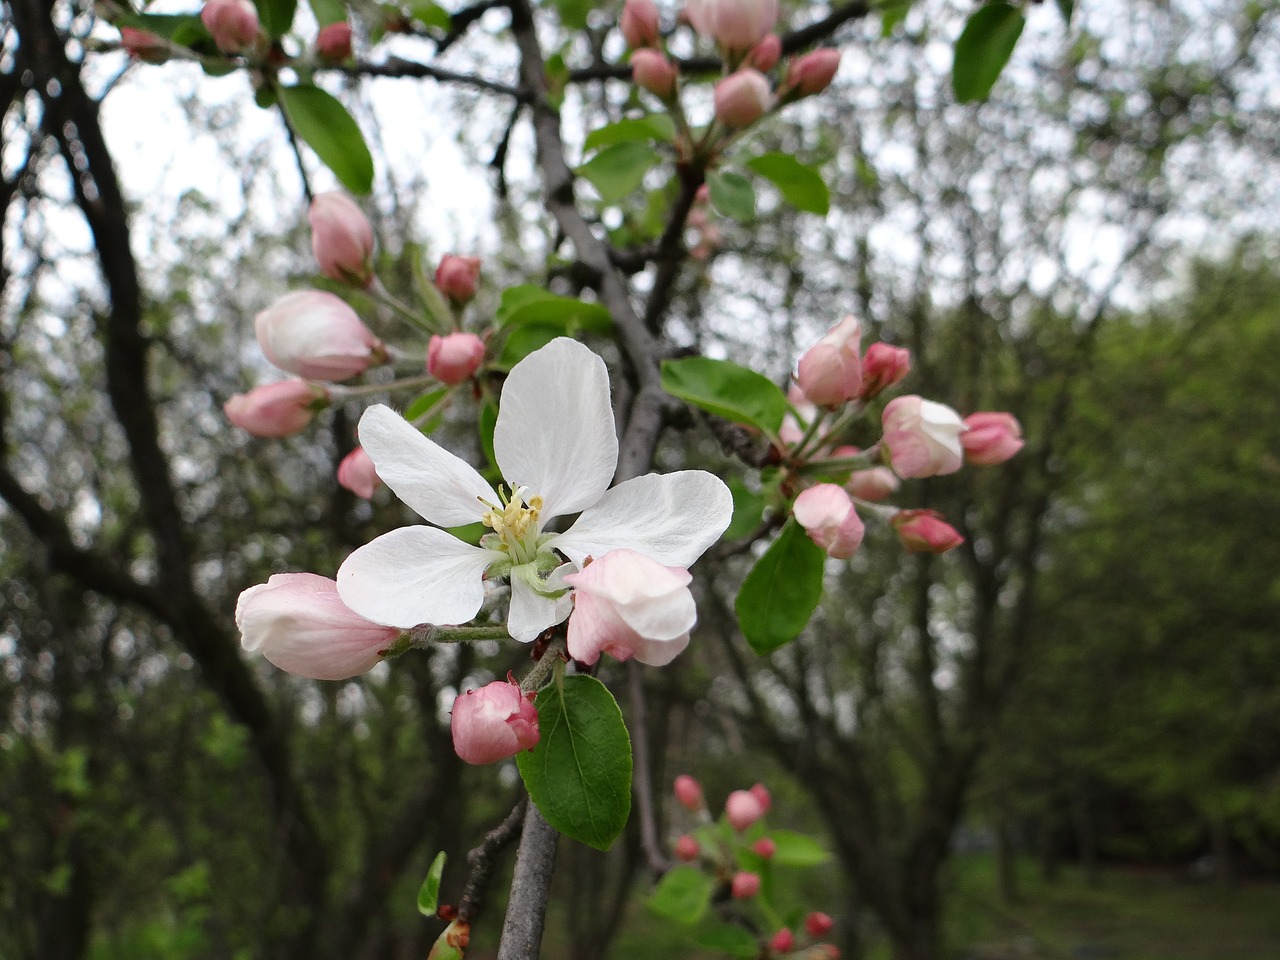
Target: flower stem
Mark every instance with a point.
(426, 635)
(536, 678)
(368, 389)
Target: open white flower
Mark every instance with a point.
(557, 449)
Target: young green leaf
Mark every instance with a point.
(726, 390)
(326, 126)
(728, 938)
(796, 850)
(732, 194)
(184, 29)
(619, 169)
(429, 892)
(655, 126)
(579, 774)
(682, 895)
(529, 304)
(748, 509)
(430, 14)
(424, 403)
(800, 185)
(328, 12)
(984, 48)
(782, 590)
(276, 16)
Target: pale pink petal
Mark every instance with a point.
(415, 575)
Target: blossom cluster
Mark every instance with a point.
(835, 381)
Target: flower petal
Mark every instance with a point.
(436, 484)
(555, 431)
(415, 575)
(532, 612)
(672, 518)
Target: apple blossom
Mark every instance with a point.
(316, 335)
(924, 531)
(494, 723)
(652, 71)
(555, 444)
(991, 438)
(627, 605)
(883, 366)
(687, 849)
(341, 237)
(745, 885)
(357, 474)
(765, 847)
(276, 409)
(922, 438)
(457, 277)
(818, 924)
(742, 98)
(298, 622)
(334, 41)
(830, 372)
(232, 23)
(811, 73)
(873, 484)
(764, 55)
(639, 23)
(736, 25)
(743, 808)
(826, 512)
(689, 793)
(783, 941)
(455, 357)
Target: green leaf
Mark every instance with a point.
(328, 12)
(748, 509)
(797, 850)
(530, 304)
(573, 13)
(1067, 8)
(733, 940)
(425, 403)
(726, 390)
(276, 16)
(782, 590)
(801, 186)
(523, 340)
(579, 774)
(619, 169)
(324, 123)
(983, 49)
(654, 126)
(486, 424)
(892, 14)
(682, 895)
(732, 195)
(429, 892)
(430, 14)
(184, 29)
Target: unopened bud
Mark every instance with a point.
(924, 531)
(874, 484)
(812, 73)
(828, 517)
(830, 371)
(652, 71)
(991, 438)
(742, 98)
(742, 809)
(317, 335)
(494, 723)
(640, 24)
(783, 941)
(687, 849)
(765, 847)
(458, 277)
(233, 24)
(818, 924)
(764, 55)
(689, 793)
(883, 366)
(144, 45)
(341, 238)
(745, 885)
(277, 409)
(454, 358)
(762, 795)
(357, 473)
(334, 41)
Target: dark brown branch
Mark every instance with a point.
(484, 858)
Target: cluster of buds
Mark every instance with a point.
(319, 338)
(739, 853)
(834, 383)
(742, 31)
(707, 234)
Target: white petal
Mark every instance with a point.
(430, 479)
(531, 612)
(415, 575)
(555, 430)
(671, 518)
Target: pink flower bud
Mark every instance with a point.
(743, 808)
(874, 484)
(454, 358)
(357, 474)
(652, 71)
(924, 531)
(991, 438)
(736, 25)
(922, 438)
(298, 622)
(883, 366)
(783, 941)
(144, 45)
(277, 409)
(765, 847)
(745, 885)
(793, 429)
(318, 336)
(764, 55)
(687, 849)
(640, 23)
(628, 605)
(232, 23)
(702, 195)
(341, 237)
(742, 98)
(334, 41)
(812, 73)
(689, 793)
(761, 793)
(457, 277)
(828, 517)
(830, 372)
(818, 924)
(494, 723)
